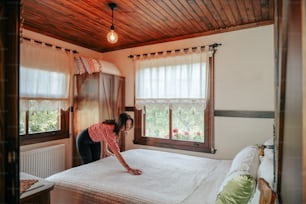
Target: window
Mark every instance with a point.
(44, 94)
(172, 101)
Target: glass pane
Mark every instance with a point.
(188, 124)
(22, 122)
(157, 121)
(43, 121)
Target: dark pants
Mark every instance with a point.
(88, 150)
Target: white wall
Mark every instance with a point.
(82, 51)
(244, 80)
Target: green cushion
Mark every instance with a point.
(238, 190)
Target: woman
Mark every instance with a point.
(89, 140)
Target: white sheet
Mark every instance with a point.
(167, 178)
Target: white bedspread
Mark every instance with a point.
(167, 178)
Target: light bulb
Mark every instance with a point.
(112, 36)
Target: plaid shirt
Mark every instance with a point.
(104, 132)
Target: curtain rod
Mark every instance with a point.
(176, 50)
(50, 45)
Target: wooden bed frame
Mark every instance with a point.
(267, 195)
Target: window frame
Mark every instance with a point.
(26, 139)
(207, 146)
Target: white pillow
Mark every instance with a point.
(246, 161)
(266, 170)
(269, 151)
(256, 197)
(240, 183)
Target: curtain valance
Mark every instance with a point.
(176, 79)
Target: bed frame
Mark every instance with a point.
(267, 195)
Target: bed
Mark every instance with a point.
(168, 178)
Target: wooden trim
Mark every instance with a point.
(129, 108)
(244, 114)
(267, 195)
(9, 103)
(211, 102)
(304, 98)
(231, 113)
(281, 35)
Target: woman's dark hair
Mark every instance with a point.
(123, 117)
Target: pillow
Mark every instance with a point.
(237, 190)
(246, 161)
(240, 182)
(269, 147)
(256, 196)
(266, 170)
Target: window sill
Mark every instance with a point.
(42, 137)
(174, 144)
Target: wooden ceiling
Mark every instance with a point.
(141, 22)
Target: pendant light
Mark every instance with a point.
(112, 36)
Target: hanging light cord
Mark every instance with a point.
(112, 17)
(112, 6)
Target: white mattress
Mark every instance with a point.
(167, 178)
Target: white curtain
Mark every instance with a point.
(45, 73)
(175, 79)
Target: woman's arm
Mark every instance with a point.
(111, 142)
(125, 165)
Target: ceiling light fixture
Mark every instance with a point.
(112, 36)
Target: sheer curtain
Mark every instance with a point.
(44, 77)
(179, 78)
(98, 96)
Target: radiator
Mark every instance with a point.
(43, 162)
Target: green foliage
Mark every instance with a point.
(187, 123)
(39, 121)
(157, 121)
(43, 121)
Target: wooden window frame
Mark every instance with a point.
(27, 138)
(208, 145)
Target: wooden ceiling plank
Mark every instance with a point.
(242, 11)
(170, 18)
(203, 19)
(220, 11)
(153, 18)
(211, 7)
(179, 9)
(271, 9)
(195, 17)
(235, 12)
(140, 22)
(267, 9)
(250, 11)
(228, 12)
(133, 30)
(257, 10)
(208, 13)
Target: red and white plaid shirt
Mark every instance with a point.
(104, 132)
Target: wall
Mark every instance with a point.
(82, 51)
(244, 81)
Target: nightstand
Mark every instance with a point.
(38, 193)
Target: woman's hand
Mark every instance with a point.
(135, 171)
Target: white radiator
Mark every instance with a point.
(43, 162)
